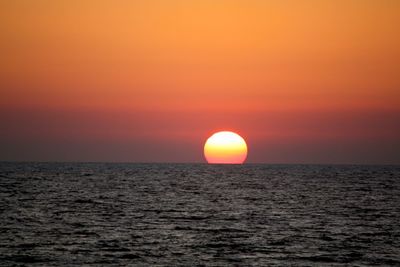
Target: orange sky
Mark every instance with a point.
(301, 81)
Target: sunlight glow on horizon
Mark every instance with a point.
(225, 147)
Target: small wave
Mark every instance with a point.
(129, 256)
(24, 259)
(319, 258)
(84, 201)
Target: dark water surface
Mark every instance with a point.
(65, 214)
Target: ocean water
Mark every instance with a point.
(90, 214)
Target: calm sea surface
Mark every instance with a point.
(66, 214)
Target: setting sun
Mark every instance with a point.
(225, 148)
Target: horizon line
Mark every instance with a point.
(199, 163)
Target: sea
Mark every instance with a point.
(115, 214)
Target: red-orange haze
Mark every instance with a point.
(301, 81)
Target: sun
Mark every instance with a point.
(225, 148)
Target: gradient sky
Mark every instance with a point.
(150, 81)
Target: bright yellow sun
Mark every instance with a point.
(225, 148)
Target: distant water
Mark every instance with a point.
(66, 214)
